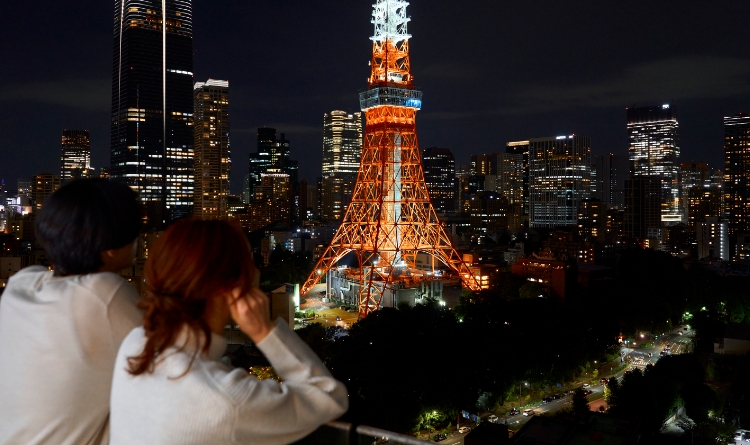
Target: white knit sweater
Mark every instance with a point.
(59, 337)
(215, 404)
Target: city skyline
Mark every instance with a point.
(496, 92)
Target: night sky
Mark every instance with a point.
(491, 72)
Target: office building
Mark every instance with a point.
(522, 148)
(607, 186)
(484, 164)
(152, 105)
(642, 207)
(737, 173)
(272, 203)
(510, 183)
(75, 159)
(273, 157)
(213, 159)
(342, 143)
(559, 179)
(439, 166)
(653, 151)
(43, 185)
(488, 211)
(342, 149)
(702, 192)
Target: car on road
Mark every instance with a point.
(586, 385)
(555, 396)
(464, 429)
(528, 412)
(546, 399)
(586, 392)
(604, 381)
(492, 419)
(514, 412)
(439, 437)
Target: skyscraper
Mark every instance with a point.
(439, 166)
(609, 180)
(272, 157)
(342, 143)
(342, 148)
(510, 183)
(642, 206)
(212, 155)
(522, 148)
(653, 151)
(152, 105)
(75, 159)
(702, 193)
(737, 173)
(559, 179)
(43, 185)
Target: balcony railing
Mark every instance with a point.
(343, 433)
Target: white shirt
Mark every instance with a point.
(215, 404)
(59, 337)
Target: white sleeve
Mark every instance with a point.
(271, 413)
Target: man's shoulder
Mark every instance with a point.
(107, 285)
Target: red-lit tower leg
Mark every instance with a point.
(390, 217)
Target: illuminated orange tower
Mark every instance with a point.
(390, 217)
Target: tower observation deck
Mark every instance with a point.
(390, 218)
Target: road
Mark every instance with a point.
(638, 358)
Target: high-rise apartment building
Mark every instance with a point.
(653, 151)
(439, 166)
(342, 149)
(712, 239)
(75, 158)
(737, 173)
(559, 179)
(213, 161)
(152, 105)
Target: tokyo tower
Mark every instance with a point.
(390, 217)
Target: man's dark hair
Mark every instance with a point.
(84, 218)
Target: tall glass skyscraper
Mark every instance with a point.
(152, 105)
(342, 143)
(653, 151)
(559, 179)
(342, 149)
(439, 166)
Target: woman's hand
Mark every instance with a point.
(251, 313)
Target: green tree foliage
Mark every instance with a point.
(654, 395)
(286, 267)
(531, 290)
(580, 406)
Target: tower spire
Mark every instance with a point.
(390, 218)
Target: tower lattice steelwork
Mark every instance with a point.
(390, 217)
